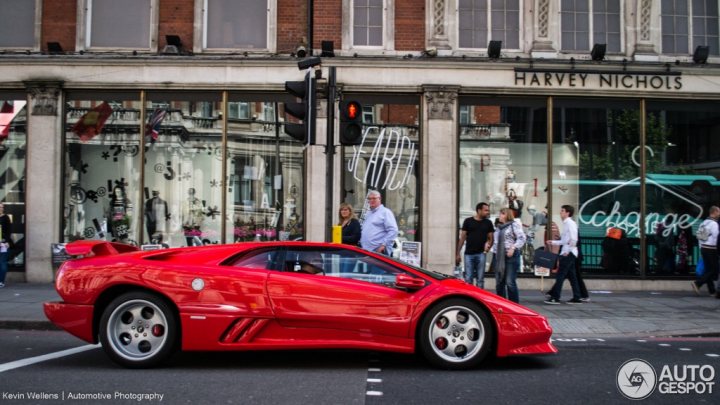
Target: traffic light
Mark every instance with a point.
(303, 111)
(350, 123)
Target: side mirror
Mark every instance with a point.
(409, 282)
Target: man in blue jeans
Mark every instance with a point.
(477, 235)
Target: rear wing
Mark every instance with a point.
(97, 248)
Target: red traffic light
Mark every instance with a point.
(352, 110)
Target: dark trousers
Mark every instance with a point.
(566, 270)
(581, 283)
(710, 261)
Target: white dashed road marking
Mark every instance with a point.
(713, 355)
(38, 359)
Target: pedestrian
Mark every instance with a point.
(508, 241)
(349, 223)
(379, 229)
(708, 249)
(568, 256)
(477, 236)
(5, 242)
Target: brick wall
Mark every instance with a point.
(409, 25)
(58, 24)
(291, 24)
(176, 18)
(399, 114)
(487, 115)
(328, 23)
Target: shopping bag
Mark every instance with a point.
(545, 259)
(700, 268)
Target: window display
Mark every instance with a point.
(102, 167)
(503, 162)
(13, 142)
(179, 196)
(264, 196)
(387, 160)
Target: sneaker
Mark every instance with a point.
(585, 299)
(695, 287)
(552, 301)
(574, 301)
(2, 285)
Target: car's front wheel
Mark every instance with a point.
(456, 334)
(138, 329)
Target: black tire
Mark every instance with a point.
(456, 334)
(139, 330)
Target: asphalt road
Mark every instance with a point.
(585, 371)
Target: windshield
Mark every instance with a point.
(434, 274)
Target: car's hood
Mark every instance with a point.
(493, 302)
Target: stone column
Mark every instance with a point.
(43, 186)
(646, 35)
(542, 46)
(439, 170)
(437, 23)
(315, 180)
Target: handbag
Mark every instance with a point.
(545, 259)
(700, 268)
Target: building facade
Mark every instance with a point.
(161, 121)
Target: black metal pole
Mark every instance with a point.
(329, 154)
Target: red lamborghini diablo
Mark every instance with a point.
(143, 306)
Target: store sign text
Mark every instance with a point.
(600, 80)
(390, 153)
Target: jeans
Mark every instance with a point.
(566, 270)
(509, 282)
(3, 266)
(710, 260)
(475, 267)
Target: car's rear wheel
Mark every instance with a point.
(456, 334)
(138, 329)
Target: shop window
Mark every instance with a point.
(688, 24)
(265, 192)
(102, 168)
(130, 24)
(17, 23)
(13, 144)
(232, 25)
(503, 162)
(596, 169)
(681, 182)
(584, 23)
(183, 169)
(482, 21)
(388, 160)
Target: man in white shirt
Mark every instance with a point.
(568, 255)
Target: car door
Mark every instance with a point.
(354, 292)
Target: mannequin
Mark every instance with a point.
(156, 213)
(120, 214)
(192, 218)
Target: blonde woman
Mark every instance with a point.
(349, 223)
(507, 244)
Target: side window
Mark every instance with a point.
(263, 260)
(305, 261)
(350, 265)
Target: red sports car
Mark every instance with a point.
(143, 306)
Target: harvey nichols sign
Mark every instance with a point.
(622, 80)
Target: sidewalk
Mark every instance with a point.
(608, 314)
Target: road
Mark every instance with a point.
(585, 371)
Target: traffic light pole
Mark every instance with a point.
(330, 153)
